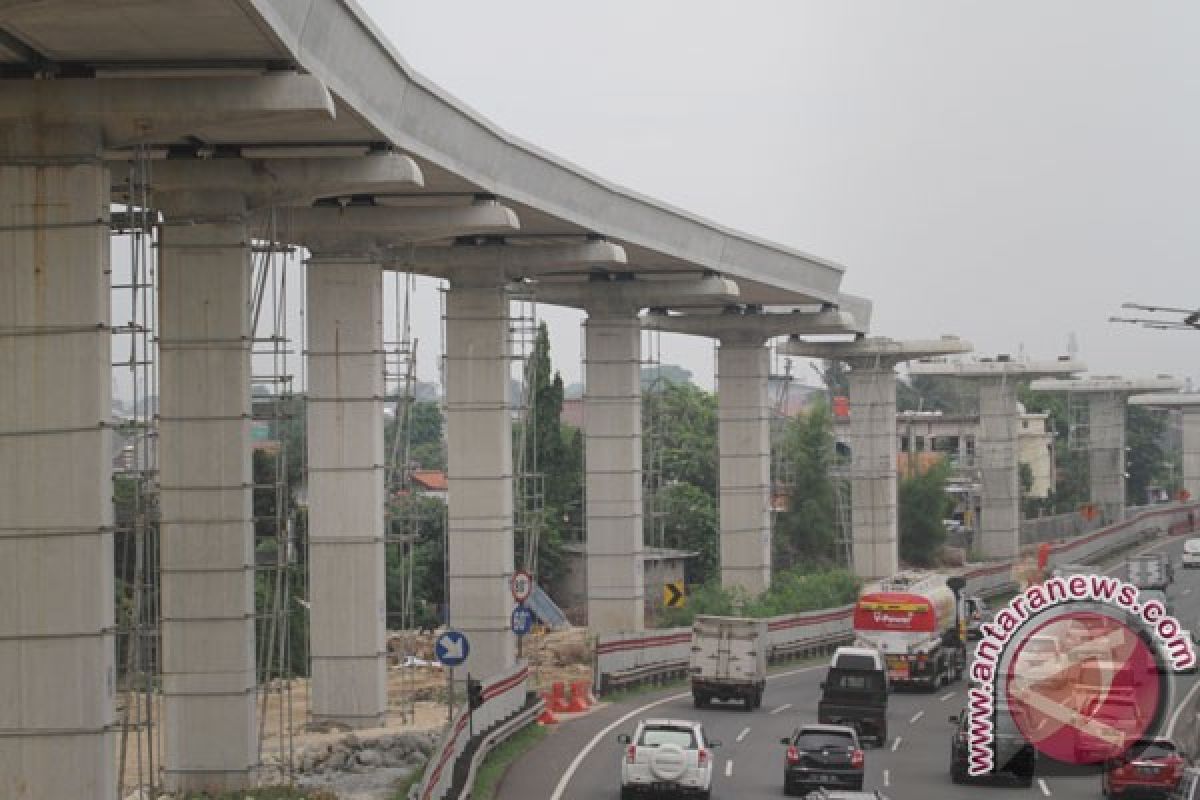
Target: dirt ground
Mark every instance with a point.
(416, 701)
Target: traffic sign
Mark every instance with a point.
(452, 648)
(522, 620)
(674, 595)
(521, 585)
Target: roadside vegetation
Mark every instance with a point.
(497, 763)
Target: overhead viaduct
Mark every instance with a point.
(241, 110)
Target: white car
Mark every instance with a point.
(1044, 659)
(667, 755)
(1191, 553)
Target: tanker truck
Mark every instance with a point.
(910, 619)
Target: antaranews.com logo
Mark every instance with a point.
(1078, 666)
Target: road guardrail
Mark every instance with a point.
(626, 659)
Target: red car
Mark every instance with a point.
(1150, 768)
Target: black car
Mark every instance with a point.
(823, 756)
(839, 794)
(1015, 756)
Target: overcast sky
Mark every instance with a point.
(1009, 172)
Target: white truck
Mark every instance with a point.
(729, 660)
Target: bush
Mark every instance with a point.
(791, 592)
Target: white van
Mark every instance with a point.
(862, 658)
(1191, 553)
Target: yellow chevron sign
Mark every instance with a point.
(674, 595)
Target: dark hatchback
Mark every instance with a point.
(823, 755)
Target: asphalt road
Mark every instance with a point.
(581, 760)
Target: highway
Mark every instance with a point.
(581, 760)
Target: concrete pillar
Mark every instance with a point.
(612, 410)
(1191, 450)
(1106, 453)
(744, 445)
(479, 459)
(873, 470)
(207, 550)
(996, 454)
(345, 490)
(56, 547)
(612, 431)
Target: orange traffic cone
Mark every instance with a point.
(547, 716)
(557, 701)
(578, 700)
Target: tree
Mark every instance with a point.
(923, 505)
(1146, 461)
(553, 451)
(682, 418)
(805, 534)
(691, 522)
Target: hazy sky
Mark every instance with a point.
(1009, 172)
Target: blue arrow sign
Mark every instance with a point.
(452, 648)
(522, 620)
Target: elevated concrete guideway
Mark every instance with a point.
(1106, 397)
(1000, 500)
(875, 533)
(248, 106)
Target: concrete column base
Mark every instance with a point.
(744, 445)
(346, 492)
(57, 713)
(479, 457)
(1106, 453)
(1191, 451)
(612, 410)
(207, 551)
(875, 539)
(996, 451)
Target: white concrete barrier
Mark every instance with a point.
(503, 696)
(653, 653)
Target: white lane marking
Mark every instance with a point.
(887, 778)
(896, 743)
(729, 768)
(1042, 785)
(745, 732)
(1187, 699)
(916, 718)
(947, 696)
(573, 767)
(783, 707)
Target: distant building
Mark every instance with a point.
(430, 482)
(923, 438)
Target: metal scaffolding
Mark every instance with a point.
(135, 474)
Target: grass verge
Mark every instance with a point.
(405, 786)
(495, 765)
(265, 793)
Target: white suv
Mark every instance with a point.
(667, 755)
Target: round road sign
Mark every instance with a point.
(522, 620)
(521, 585)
